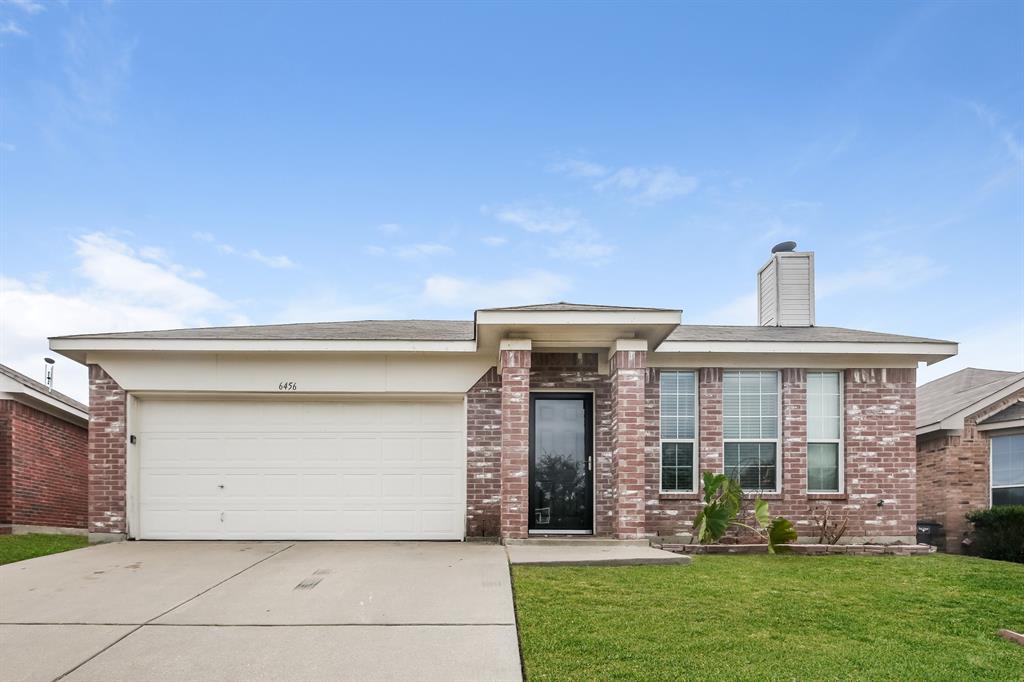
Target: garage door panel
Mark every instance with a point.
(323, 470)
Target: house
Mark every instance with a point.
(970, 447)
(542, 419)
(44, 439)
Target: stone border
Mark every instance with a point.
(803, 549)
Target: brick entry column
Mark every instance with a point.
(627, 364)
(514, 363)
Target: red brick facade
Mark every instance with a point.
(879, 414)
(43, 469)
(953, 474)
(515, 442)
(107, 453)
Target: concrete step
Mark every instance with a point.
(590, 554)
(577, 541)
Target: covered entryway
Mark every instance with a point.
(277, 469)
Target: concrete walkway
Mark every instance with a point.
(589, 553)
(260, 611)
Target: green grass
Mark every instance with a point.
(773, 617)
(20, 547)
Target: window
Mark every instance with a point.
(1008, 469)
(750, 415)
(678, 431)
(824, 432)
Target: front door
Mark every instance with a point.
(561, 463)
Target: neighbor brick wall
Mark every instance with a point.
(879, 414)
(44, 468)
(953, 474)
(483, 458)
(107, 453)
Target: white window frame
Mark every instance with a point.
(991, 469)
(778, 429)
(696, 433)
(841, 441)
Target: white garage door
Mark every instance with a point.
(356, 470)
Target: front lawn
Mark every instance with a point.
(773, 617)
(19, 547)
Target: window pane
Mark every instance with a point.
(677, 466)
(1008, 460)
(678, 405)
(1001, 496)
(822, 467)
(750, 404)
(752, 464)
(823, 405)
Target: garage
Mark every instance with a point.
(262, 469)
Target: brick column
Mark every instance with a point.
(514, 364)
(709, 404)
(627, 367)
(794, 433)
(107, 457)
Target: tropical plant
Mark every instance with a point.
(722, 500)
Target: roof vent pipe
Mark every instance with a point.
(49, 373)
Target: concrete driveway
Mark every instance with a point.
(149, 611)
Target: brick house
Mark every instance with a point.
(553, 419)
(43, 458)
(970, 447)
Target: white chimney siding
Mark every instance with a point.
(785, 290)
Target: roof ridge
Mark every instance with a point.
(29, 382)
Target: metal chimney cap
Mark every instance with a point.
(784, 247)
(49, 361)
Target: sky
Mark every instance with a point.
(172, 164)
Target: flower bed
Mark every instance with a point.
(854, 550)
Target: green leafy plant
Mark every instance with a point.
(997, 533)
(723, 497)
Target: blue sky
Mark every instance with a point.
(183, 164)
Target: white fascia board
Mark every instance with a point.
(571, 317)
(75, 348)
(13, 390)
(922, 352)
(629, 345)
(955, 421)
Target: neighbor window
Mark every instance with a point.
(750, 416)
(678, 431)
(824, 432)
(1008, 469)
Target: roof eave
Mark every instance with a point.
(928, 352)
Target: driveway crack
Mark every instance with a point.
(176, 606)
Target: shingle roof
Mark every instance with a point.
(41, 387)
(563, 306)
(700, 332)
(954, 392)
(1011, 413)
(362, 330)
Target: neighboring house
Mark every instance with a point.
(970, 447)
(44, 442)
(544, 419)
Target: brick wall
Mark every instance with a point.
(627, 369)
(953, 474)
(43, 468)
(483, 459)
(879, 414)
(107, 453)
(515, 435)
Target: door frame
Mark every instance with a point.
(590, 421)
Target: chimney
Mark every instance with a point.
(785, 288)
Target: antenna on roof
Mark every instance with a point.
(49, 373)
(784, 247)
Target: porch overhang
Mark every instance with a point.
(576, 330)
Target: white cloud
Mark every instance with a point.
(277, 262)
(650, 185)
(740, 310)
(892, 272)
(999, 345)
(542, 219)
(11, 27)
(390, 228)
(642, 185)
(494, 240)
(117, 289)
(594, 252)
(535, 287)
(26, 6)
(409, 251)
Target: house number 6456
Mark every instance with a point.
(287, 386)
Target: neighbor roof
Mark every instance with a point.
(700, 332)
(959, 391)
(362, 330)
(39, 387)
